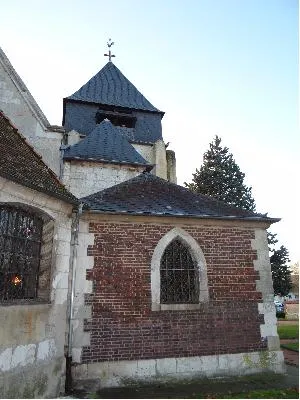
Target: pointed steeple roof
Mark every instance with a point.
(105, 143)
(109, 86)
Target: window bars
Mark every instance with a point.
(20, 244)
(178, 275)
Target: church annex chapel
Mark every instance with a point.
(141, 329)
(128, 275)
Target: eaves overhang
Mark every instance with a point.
(91, 210)
(148, 167)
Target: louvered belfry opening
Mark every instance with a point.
(178, 275)
(20, 245)
(117, 118)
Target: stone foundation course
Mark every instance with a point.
(141, 372)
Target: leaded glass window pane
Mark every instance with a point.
(178, 275)
(20, 243)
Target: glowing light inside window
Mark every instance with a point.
(16, 280)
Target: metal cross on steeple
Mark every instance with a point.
(109, 55)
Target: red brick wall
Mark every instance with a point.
(123, 327)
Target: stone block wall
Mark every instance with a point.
(171, 166)
(124, 329)
(47, 144)
(17, 103)
(83, 178)
(146, 151)
(33, 334)
(20, 107)
(83, 287)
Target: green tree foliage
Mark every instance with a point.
(272, 240)
(221, 178)
(281, 273)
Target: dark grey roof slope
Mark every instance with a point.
(147, 194)
(105, 143)
(21, 164)
(110, 86)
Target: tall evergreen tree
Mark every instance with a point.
(281, 273)
(221, 178)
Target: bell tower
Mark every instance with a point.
(110, 96)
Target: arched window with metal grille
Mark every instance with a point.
(178, 275)
(24, 274)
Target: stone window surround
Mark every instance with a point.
(45, 267)
(199, 259)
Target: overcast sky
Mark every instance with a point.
(225, 67)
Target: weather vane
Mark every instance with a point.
(109, 55)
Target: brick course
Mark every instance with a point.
(123, 327)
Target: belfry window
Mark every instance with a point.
(116, 118)
(179, 278)
(20, 248)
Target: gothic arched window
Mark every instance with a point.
(178, 273)
(179, 279)
(21, 234)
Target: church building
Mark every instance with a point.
(111, 274)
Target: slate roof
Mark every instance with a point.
(109, 86)
(147, 194)
(105, 143)
(21, 164)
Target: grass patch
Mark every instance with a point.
(291, 393)
(288, 331)
(291, 346)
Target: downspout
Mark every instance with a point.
(63, 146)
(62, 149)
(73, 262)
